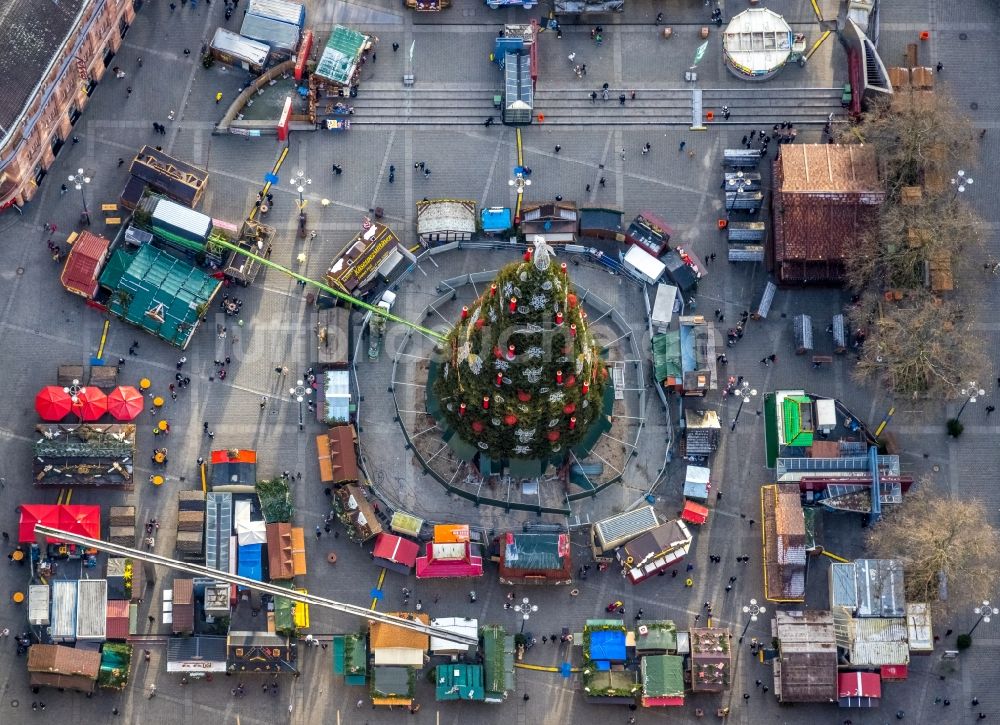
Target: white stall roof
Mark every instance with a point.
(663, 305)
(643, 262)
(826, 414)
(758, 39)
(92, 609)
(456, 625)
(38, 604)
(236, 45)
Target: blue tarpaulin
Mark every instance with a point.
(248, 563)
(607, 645)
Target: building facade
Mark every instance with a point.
(54, 56)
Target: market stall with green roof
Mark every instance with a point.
(159, 293)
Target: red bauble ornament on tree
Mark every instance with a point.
(523, 396)
(510, 419)
(571, 381)
(477, 426)
(552, 435)
(569, 408)
(571, 300)
(480, 323)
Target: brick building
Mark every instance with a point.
(825, 197)
(53, 55)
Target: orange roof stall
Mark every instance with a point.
(298, 551)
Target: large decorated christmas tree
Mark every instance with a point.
(521, 375)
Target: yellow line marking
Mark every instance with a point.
(104, 339)
(62, 492)
(841, 559)
(543, 668)
(204, 480)
(381, 578)
(69, 495)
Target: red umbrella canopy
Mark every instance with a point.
(125, 402)
(90, 403)
(52, 403)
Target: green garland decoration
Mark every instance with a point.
(521, 374)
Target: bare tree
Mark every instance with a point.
(917, 345)
(918, 138)
(940, 540)
(931, 230)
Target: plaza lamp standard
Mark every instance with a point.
(985, 612)
(300, 392)
(80, 180)
(525, 608)
(751, 610)
(746, 394)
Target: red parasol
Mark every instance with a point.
(90, 403)
(125, 403)
(52, 403)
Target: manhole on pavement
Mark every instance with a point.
(19, 271)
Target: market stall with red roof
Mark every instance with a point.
(395, 552)
(85, 520)
(859, 689)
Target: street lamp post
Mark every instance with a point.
(519, 183)
(751, 610)
(972, 391)
(746, 394)
(73, 391)
(961, 183)
(300, 392)
(984, 612)
(525, 608)
(300, 182)
(80, 180)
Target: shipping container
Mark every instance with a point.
(177, 223)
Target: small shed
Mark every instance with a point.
(63, 619)
(84, 263)
(919, 630)
(393, 645)
(496, 219)
(91, 610)
(643, 265)
(697, 483)
(280, 36)
(333, 338)
(711, 659)
(279, 551)
(664, 306)
(440, 221)
(350, 658)
(805, 669)
(650, 232)
(395, 553)
(233, 49)
(556, 221)
(38, 605)
(51, 665)
(702, 431)
(338, 460)
(183, 606)
(468, 627)
(459, 681)
(662, 681)
(602, 223)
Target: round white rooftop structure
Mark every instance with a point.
(756, 44)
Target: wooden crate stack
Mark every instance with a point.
(191, 525)
(122, 525)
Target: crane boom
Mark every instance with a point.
(353, 609)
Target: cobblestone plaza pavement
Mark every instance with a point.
(42, 326)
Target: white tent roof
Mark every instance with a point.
(251, 532)
(458, 625)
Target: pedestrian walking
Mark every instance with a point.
(527, 697)
(990, 409)
(764, 362)
(939, 67)
(601, 182)
(623, 153)
(218, 97)
(395, 47)
(681, 146)
(128, 92)
(604, 93)
(588, 188)
(319, 532)
(558, 148)
(593, 99)
(725, 112)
